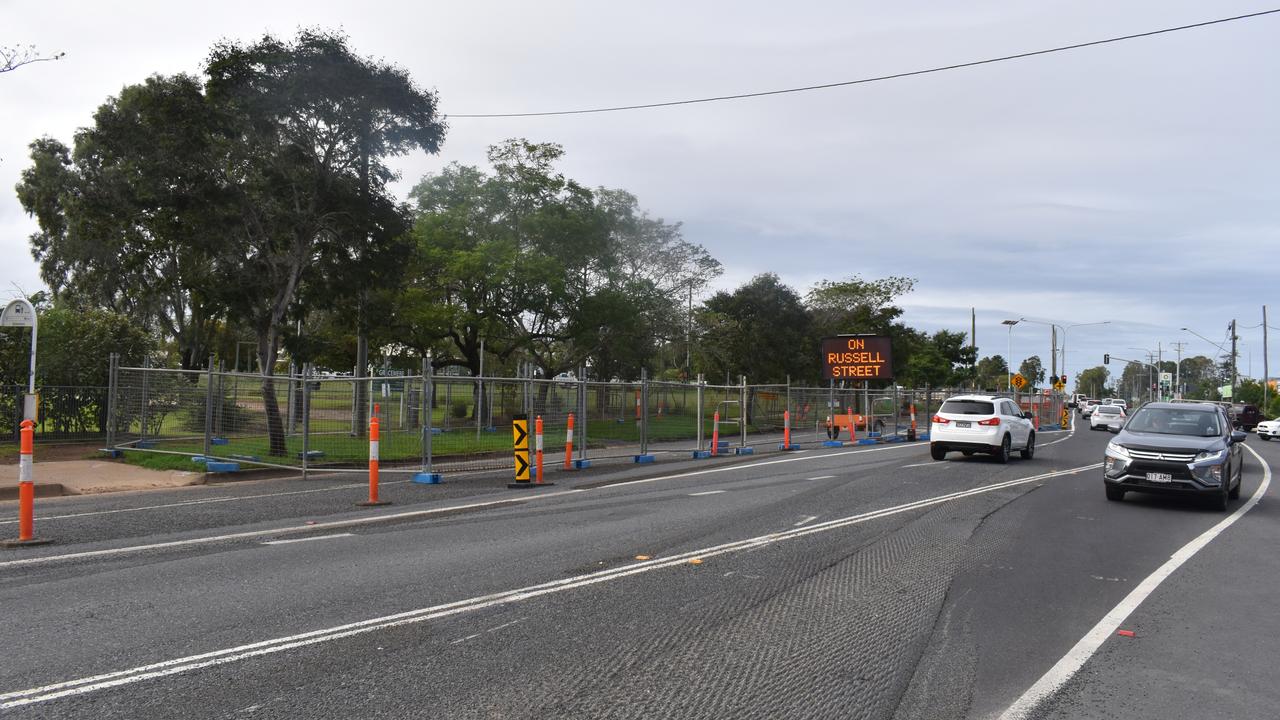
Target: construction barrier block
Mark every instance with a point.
(145, 444)
(112, 452)
(247, 458)
(426, 478)
(221, 467)
(580, 464)
(744, 451)
(792, 446)
(701, 454)
(644, 459)
(312, 454)
(219, 441)
(867, 441)
(832, 443)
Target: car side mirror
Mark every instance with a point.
(1238, 436)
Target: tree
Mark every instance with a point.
(992, 373)
(1092, 382)
(1033, 370)
(13, 57)
(761, 330)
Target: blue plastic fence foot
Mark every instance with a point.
(426, 478)
(744, 451)
(221, 467)
(582, 464)
(701, 454)
(832, 443)
(644, 459)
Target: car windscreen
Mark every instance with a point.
(1174, 421)
(968, 407)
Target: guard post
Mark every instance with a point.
(374, 438)
(520, 443)
(26, 490)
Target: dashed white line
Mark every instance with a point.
(821, 477)
(806, 521)
(927, 464)
(307, 539)
(706, 492)
(1077, 656)
(462, 640)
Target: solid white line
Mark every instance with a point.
(411, 514)
(706, 492)
(219, 657)
(1064, 669)
(807, 520)
(1062, 439)
(307, 539)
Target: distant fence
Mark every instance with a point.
(447, 423)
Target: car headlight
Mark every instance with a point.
(1211, 455)
(1117, 451)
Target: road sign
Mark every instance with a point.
(1018, 381)
(520, 437)
(857, 357)
(1061, 384)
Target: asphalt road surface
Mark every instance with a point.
(830, 583)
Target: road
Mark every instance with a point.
(857, 582)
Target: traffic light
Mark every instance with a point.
(1106, 358)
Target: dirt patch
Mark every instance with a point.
(84, 477)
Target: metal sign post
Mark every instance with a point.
(20, 313)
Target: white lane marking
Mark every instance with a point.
(706, 492)
(1070, 664)
(410, 514)
(1061, 439)
(821, 477)
(307, 539)
(806, 521)
(204, 501)
(928, 464)
(507, 625)
(212, 658)
(462, 640)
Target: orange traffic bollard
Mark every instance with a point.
(568, 443)
(637, 406)
(26, 489)
(373, 460)
(912, 435)
(715, 434)
(853, 429)
(786, 429)
(537, 439)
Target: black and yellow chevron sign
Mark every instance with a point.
(520, 438)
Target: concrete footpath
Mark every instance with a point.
(86, 477)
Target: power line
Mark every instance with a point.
(861, 81)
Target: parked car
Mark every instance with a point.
(981, 424)
(1105, 416)
(1245, 416)
(1176, 448)
(1268, 429)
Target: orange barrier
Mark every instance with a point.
(715, 434)
(568, 443)
(853, 429)
(786, 429)
(373, 460)
(537, 439)
(26, 485)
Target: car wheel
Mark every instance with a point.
(1029, 451)
(1002, 452)
(967, 453)
(937, 452)
(1264, 438)
(1115, 494)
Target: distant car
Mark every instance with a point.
(981, 424)
(1268, 429)
(1087, 409)
(1245, 416)
(1176, 448)
(1106, 415)
(1077, 399)
(1120, 402)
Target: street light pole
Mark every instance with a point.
(1008, 363)
(1224, 351)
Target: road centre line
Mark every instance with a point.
(410, 514)
(821, 477)
(307, 539)
(926, 464)
(1079, 654)
(213, 658)
(706, 492)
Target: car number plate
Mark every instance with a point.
(963, 424)
(1159, 477)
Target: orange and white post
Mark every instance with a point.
(637, 406)
(568, 443)
(786, 429)
(715, 434)
(537, 439)
(374, 459)
(26, 485)
(853, 429)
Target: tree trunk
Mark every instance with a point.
(275, 423)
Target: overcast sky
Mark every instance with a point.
(1135, 182)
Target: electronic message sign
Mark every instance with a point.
(857, 357)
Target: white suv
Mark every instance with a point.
(981, 423)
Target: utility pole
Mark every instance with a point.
(1266, 370)
(1053, 350)
(1234, 374)
(1177, 372)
